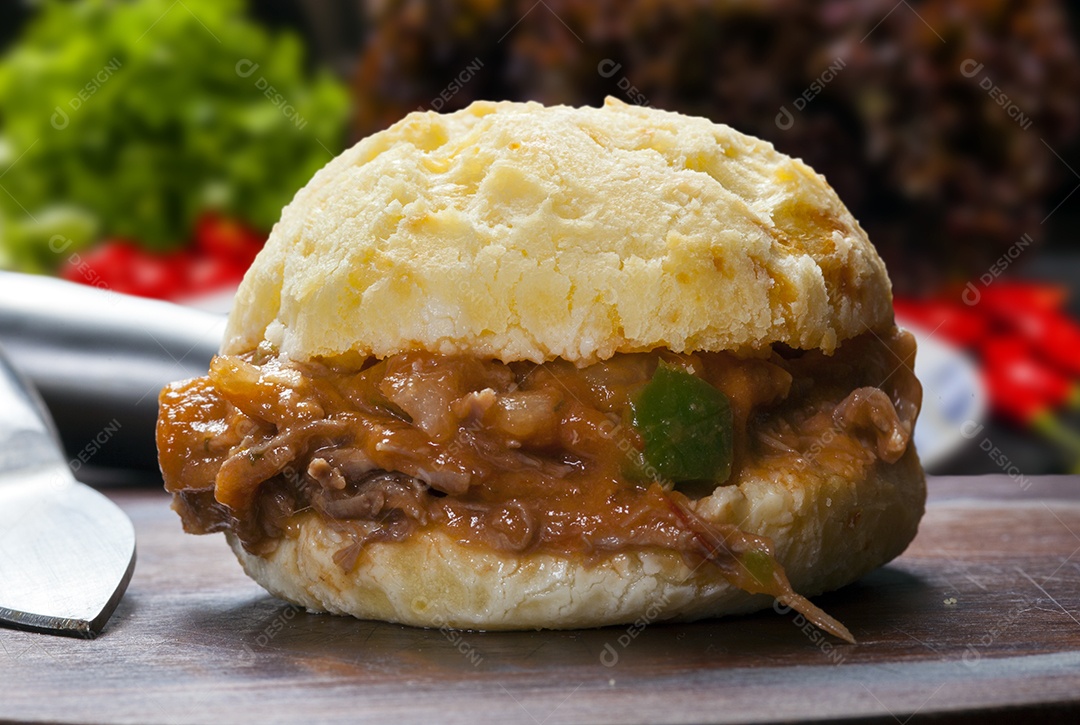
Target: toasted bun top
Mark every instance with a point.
(517, 231)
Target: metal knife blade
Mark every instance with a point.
(66, 551)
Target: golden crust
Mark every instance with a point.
(827, 532)
(522, 232)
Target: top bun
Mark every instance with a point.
(516, 231)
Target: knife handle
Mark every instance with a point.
(99, 360)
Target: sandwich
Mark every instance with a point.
(519, 367)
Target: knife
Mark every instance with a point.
(99, 360)
(66, 551)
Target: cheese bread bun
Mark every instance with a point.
(522, 366)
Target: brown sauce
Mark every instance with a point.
(516, 457)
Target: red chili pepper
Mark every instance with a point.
(103, 266)
(1053, 335)
(1021, 386)
(159, 275)
(229, 239)
(120, 266)
(1025, 390)
(224, 249)
(1009, 294)
(208, 274)
(956, 322)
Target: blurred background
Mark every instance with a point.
(147, 147)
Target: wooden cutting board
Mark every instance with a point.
(979, 619)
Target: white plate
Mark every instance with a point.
(954, 398)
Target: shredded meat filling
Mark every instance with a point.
(870, 409)
(518, 457)
(375, 495)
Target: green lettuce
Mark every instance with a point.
(130, 118)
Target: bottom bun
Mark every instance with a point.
(827, 532)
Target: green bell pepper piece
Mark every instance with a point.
(686, 425)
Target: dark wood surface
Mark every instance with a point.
(978, 619)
